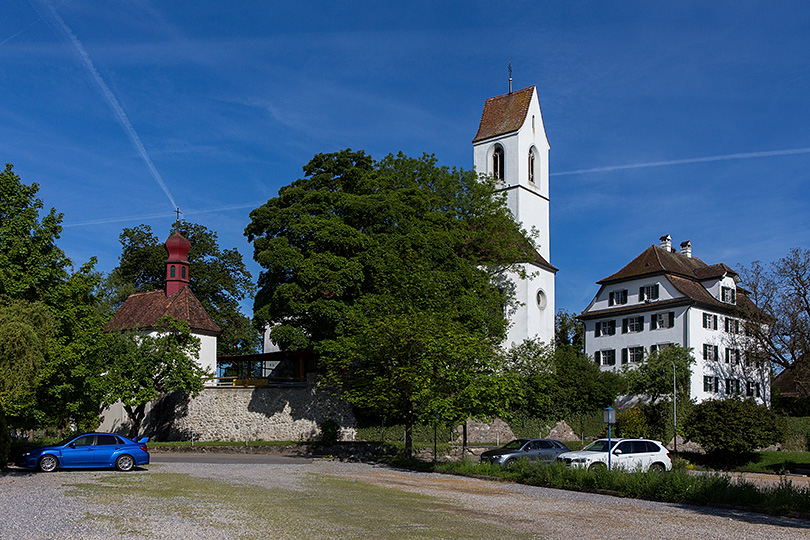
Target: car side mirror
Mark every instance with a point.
(617, 452)
(72, 445)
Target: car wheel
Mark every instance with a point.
(598, 466)
(657, 467)
(48, 463)
(124, 463)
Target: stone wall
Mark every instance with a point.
(270, 413)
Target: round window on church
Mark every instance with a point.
(541, 299)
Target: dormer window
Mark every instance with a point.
(498, 163)
(617, 297)
(728, 295)
(648, 292)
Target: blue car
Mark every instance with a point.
(89, 451)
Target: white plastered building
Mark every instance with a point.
(511, 145)
(665, 297)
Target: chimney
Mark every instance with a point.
(686, 248)
(177, 263)
(666, 242)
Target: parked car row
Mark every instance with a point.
(628, 454)
(89, 451)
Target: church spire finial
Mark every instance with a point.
(510, 75)
(178, 212)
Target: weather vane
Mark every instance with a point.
(178, 212)
(510, 75)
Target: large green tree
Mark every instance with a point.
(36, 277)
(31, 264)
(218, 277)
(142, 366)
(390, 271)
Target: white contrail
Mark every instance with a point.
(746, 155)
(120, 115)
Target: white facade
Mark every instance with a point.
(633, 315)
(522, 146)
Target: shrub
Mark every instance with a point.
(633, 423)
(330, 432)
(733, 425)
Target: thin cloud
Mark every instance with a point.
(144, 217)
(54, 19)
(725, 157)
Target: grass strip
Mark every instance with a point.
(675, 486)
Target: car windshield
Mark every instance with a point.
(514, 445)
(598, 446)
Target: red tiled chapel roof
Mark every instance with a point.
(143, 310)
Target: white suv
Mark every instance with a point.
(629, 454)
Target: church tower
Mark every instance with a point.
(511, 145)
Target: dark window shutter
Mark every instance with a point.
(611, 299)
(597, 329)
(653, 321)
(671, 319)
(624, 356)
(612, 328)
(624, 326)
(641, 324)
(656, 290)
(597, 357)
(641, 294)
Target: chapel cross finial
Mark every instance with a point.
(510, 75)
(178, 212)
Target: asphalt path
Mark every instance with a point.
(226, 458)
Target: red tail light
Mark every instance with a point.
(144, 448)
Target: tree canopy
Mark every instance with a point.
(218, 277)
(653, 377)
(389, 270)
(53, 321)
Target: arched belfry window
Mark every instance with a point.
(532, 164)
(183, 272)
(498, 163)
(171, 271)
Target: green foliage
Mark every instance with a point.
(797, 433)
(218, 277)
(26, 332)
(677, 486)
(569, 331)
(141, 367)
(556, 383)
(330, 432)
(390, 271)
(733, 426)
(633, 422)
(31, 264)
(653, 377)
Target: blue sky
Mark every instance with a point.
(120, 110)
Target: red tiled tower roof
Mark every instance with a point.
(504, 114)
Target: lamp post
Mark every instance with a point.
(609, 418)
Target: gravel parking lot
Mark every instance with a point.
(330, 499)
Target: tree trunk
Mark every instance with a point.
(135, 418)
(464, 440)
(409, 432)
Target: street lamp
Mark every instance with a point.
(609, 418)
